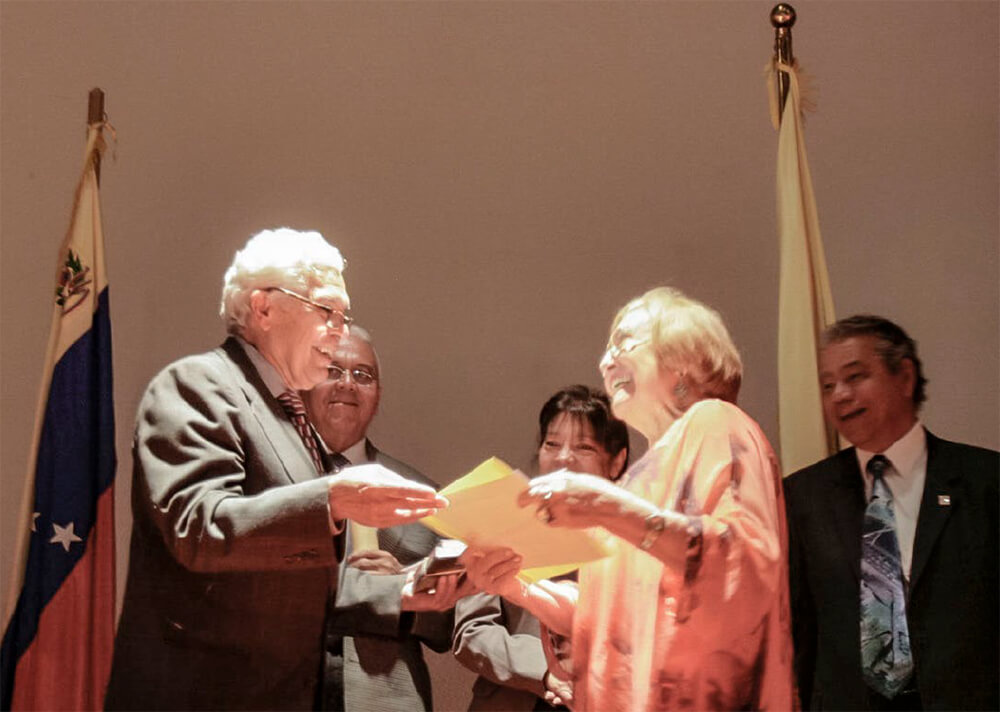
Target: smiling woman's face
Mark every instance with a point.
(633, 379)
(570, 443)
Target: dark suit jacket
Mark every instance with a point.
(953, 594)
(383, 663)
(232, 560)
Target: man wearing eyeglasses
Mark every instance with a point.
(374, 661)
(237, 520)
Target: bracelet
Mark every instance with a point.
(655, 524)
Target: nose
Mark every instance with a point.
(565, 454)
(605, 363)
(841, 392)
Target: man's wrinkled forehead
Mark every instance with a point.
(330, 289)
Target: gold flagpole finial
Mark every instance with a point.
(782, 19)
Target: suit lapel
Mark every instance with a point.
(270, 416)
(848, 507)
(941, 475)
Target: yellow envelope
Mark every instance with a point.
(483, 511)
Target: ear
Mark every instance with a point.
(618, 463)
(261, 309)
(907, 377)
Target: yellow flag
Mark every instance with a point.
(805, 305)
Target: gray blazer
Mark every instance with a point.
(501, 642)
(383, 663)
(231, 560)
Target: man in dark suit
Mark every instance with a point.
(943, 499)
(374, 661)
(236, 526)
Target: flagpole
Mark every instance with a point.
(95, 115)
(782, 19)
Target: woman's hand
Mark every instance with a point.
(571, 499)
(493, 570)
(558, 691)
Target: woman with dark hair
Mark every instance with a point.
(496, 639)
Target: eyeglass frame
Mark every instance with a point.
(354, 375)
(614, 350)
(342, 318)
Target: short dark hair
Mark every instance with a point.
(593, 405)
(892, 344)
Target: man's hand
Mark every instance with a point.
(375, 496)
(493, 570)
(375, 561)
(447, 590)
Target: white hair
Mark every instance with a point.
(283, 257)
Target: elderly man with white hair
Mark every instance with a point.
(237, 518)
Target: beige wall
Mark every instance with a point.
(501, 177)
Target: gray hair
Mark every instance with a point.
(282, 257)
(363, 334)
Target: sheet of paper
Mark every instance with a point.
(484, 512)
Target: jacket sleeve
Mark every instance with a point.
(208, 478)
(484, 643)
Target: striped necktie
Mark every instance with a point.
(296, 411)
(886, 661)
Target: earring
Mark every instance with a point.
(681, 389)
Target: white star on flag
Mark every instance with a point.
(64, 535)
(34, 519)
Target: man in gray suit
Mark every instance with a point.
(237, 528)
(374, 661)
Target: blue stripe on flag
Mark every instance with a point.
(76, 464)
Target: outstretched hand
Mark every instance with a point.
(375, 496)
(571, 499)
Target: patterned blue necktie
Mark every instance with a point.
(886, 661)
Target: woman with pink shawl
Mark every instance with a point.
(690, 610)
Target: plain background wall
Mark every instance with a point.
(501, 178)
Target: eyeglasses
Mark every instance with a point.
(359, 375)
(624, 344)
(335, 318)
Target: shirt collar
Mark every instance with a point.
(356, 453)
(268, 373)
(903, 454)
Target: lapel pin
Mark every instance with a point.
(944, 500)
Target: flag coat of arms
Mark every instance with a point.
(59, 621)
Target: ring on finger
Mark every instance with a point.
(544, 514)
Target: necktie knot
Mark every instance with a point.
(292, 403)
(877, 467)
(296, 410)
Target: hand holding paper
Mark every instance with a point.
(484, 513)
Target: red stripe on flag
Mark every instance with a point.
(68, 663)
